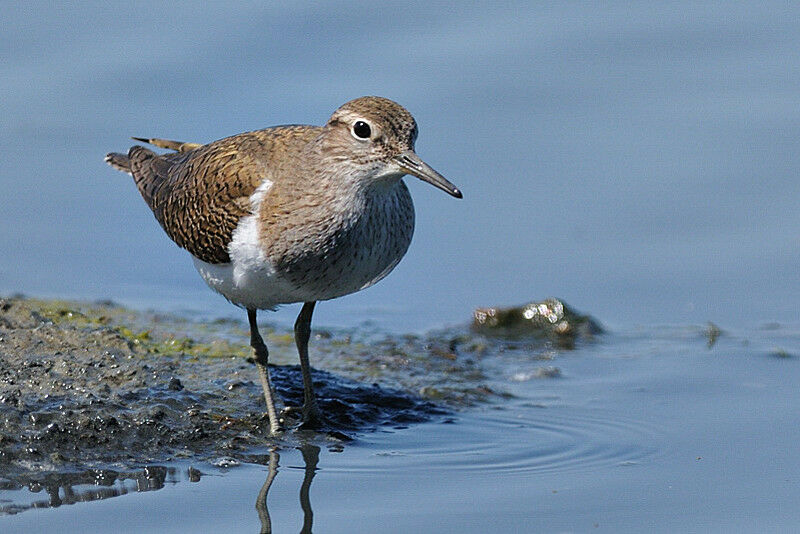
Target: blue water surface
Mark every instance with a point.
(638, 161)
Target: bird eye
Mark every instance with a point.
(362, 130)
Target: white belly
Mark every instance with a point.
(248, 280)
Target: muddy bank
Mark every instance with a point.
(98, 387)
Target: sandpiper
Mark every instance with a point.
(290, 213)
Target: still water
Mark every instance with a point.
(639, 161)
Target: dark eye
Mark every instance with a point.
(362, 130)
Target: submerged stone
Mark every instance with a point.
(551, 319)
(712, 333)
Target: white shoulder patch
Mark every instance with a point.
(249, 280)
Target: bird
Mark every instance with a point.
(289, 214)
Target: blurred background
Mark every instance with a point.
(639, 161)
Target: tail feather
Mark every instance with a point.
(121, 162)
(177, 146)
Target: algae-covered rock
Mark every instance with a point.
(550, 318)
(87, 386)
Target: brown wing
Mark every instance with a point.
(199, 195)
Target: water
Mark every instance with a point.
(649, 429)
(639, 161)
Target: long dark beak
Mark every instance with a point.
(412, 164)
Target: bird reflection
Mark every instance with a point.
(310, 459)
(91, 485)
(261, 500)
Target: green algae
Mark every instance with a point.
(118, 319)
(170, 345)
(80, 316)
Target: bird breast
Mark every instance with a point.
(348, 244)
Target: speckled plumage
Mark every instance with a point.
(290, 213)
(199, 196)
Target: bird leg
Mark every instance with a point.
(262, 357)
(312, 416)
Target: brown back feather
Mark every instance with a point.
(198, 196)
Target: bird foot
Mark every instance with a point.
(275, 425)
(311, 418)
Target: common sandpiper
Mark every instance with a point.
(290, 213)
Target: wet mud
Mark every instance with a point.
(93, 393)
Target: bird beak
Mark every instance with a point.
(410, 163)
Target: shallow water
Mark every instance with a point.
(649, 428)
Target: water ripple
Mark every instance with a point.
(524, 439)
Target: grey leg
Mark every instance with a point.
(312, 417)
(262, 357)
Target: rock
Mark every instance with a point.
(551, 319)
